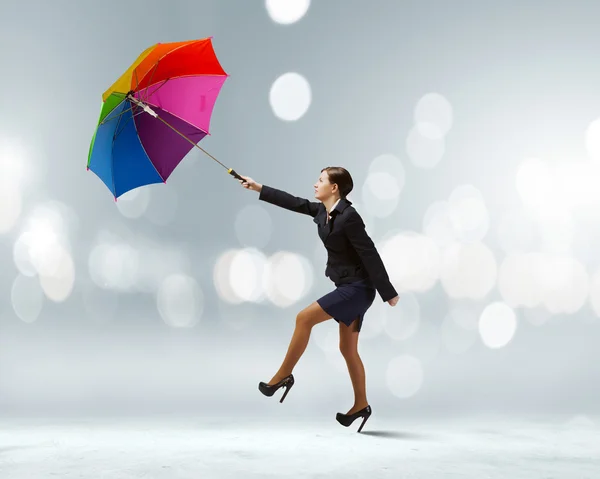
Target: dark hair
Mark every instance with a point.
(341, 177)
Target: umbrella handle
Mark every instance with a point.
(233, 173)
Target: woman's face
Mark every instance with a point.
(323, 188)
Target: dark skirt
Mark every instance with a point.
(349, 301)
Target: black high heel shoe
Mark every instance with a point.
(269, 390)
(347, 419)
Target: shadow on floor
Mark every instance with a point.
(394, 434)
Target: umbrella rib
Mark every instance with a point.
(112, 166)
(150, 81)
(115, 117)
(187, 76)
(185, 44)
(146, 153)
(178, 117)
(148, 94)
(194, 144)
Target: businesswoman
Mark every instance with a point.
(355, 267)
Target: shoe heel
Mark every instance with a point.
(287, 390)
(363, 423)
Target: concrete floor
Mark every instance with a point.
(173, 448)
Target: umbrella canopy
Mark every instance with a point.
(155, 113)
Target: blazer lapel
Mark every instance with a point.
(326, 227)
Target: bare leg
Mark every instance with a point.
(305, 320)
(349, 349)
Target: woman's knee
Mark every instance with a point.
(348, 349)
(303, 319)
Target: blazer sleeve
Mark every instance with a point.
(289, 202)
(356, 233)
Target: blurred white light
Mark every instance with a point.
(433, 116)
(424, 152)
(536, 316)
(438, 225)
(290, 96)
(544, 193)
(58, 285)
(468, 270)
(459, 331)
(380, 194)
(468, 214)
(577, 182)
(559, 283)
(180, 301)
(518, 279)
(155, 262)
(497, 325)
(412, 261)
(286, 12)
(594, 293)
(557, 233)
(382, 189)
(114, 266)
(134, 203)
(14, 164)
(10, 206)
(163, 204)
(565, 284)
(253, 226)
(246, 274)
(27, 298)
(288, 277)
(404, 376)
(592, 139)
(515, 232)
(382, 185)
(402, 321)
(391, 164)
(22, 254)
(534, 182)
(221, 277)
(123, 262)
(44, 239)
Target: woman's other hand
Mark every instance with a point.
(393, 301)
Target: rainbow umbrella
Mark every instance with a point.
(155, 113)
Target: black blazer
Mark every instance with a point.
(351, 254)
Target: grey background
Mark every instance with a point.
(523, 79)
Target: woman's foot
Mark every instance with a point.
(357, 407)
(347, 419)
(278, 377)
(269, 389)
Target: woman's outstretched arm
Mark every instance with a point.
(282, 198)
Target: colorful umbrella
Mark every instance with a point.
(155, 113)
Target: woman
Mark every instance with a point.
(355, 267)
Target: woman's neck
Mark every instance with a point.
(329, 203)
